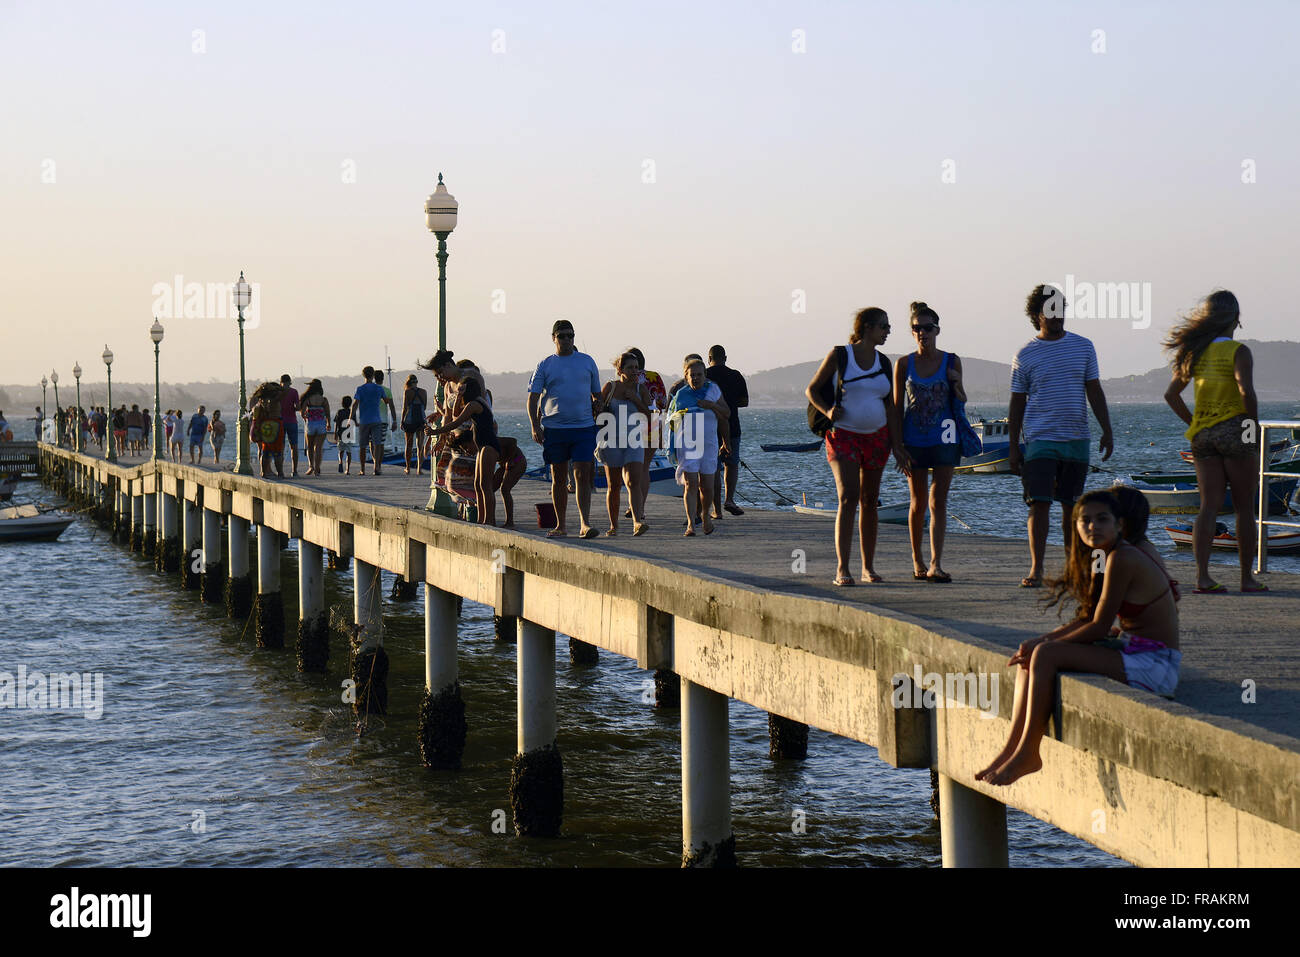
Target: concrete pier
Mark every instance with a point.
(973, 827)
(1210, 779)
(537, 773)
(191, 544)
(169, 540)
(313, 644)
(442, 727)
(213, 581)
(268, 606)
(707, 840)
(239, 587)
(369, 660)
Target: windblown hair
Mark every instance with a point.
(865, 318)
(439, 359)
(314, 388)
(1217, 315)
(640, 356)
(1045, 300)
(267, 392)
(920, 310)
(1079, 584)
(617, 361)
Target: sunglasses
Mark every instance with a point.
(927, 327)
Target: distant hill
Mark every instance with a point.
(1277, 379)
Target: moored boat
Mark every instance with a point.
(1281, 542)
(800, 447)
(1184, 498)
(27, 523)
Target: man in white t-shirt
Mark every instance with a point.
(1053, 380)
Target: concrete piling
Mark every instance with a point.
(313, 644)
(785, 738)
(582, 653)
(442, 727)
(707, 839)
(268, 606)
(191, 549)
(369, 660)
(213, 571)
(239, 587)
(168, 559)
(972, 827)
(537, 773)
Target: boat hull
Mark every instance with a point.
(1279, 543)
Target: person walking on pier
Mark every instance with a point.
(198, 431)
(1053, 380)
(853, 389)
(289, 418)
(345, 432)
(655, 386)
(1224, 429)
(415, 402)
(367, 403)
(561, 396)
(267, 428)
(315, 409)
(622, 440)
(698, 414)
(134, 429)
(1144, 654)
(217, 434)
(925, 388)
(736, 394)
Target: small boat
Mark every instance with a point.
(802, 447)
(27, 523)
(995, 459)
(893, 514)
(1184, 498)
(1279, 543)
(1285, 459)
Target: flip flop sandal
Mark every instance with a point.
(1028, 582)
(1254, 591)
(1217, 589)
(943, 579)
(844, 582)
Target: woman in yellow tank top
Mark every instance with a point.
(1223, 430)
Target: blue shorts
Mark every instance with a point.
(568, 445)
(934, 456)
(291, 433)
(372, 434)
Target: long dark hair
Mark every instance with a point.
(314, 388)
(1079, 583)
(1217, 315)
(440, 358)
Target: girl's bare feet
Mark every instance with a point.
(870, 576)
(1000, 760)
(1016, 767)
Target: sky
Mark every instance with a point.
(665, 175)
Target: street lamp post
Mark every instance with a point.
(76, 424)
(58, 432)
(243, 294)
(110, 454)
(156, 334)
(44, 383)
(440, 211)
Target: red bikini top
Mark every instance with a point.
(1130, 609)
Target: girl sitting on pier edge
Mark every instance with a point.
(1145, 654)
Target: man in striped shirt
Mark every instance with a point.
(1051, 378)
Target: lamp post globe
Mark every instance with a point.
(110, 454)
(243, 295)
(440, 211)
(156, 334)
(78, 444)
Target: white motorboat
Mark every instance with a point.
(27, 523)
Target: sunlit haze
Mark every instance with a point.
(665, 175)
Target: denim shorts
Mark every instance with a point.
(1154, 671)
(934, 456)
(291, 433)
(568, 445)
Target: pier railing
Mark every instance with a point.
(1263, 522)
(21, 457)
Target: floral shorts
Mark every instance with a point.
(869, 450)
(1224, 440)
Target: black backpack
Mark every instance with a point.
(831, 394)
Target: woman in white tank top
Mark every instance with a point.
(865, 429)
